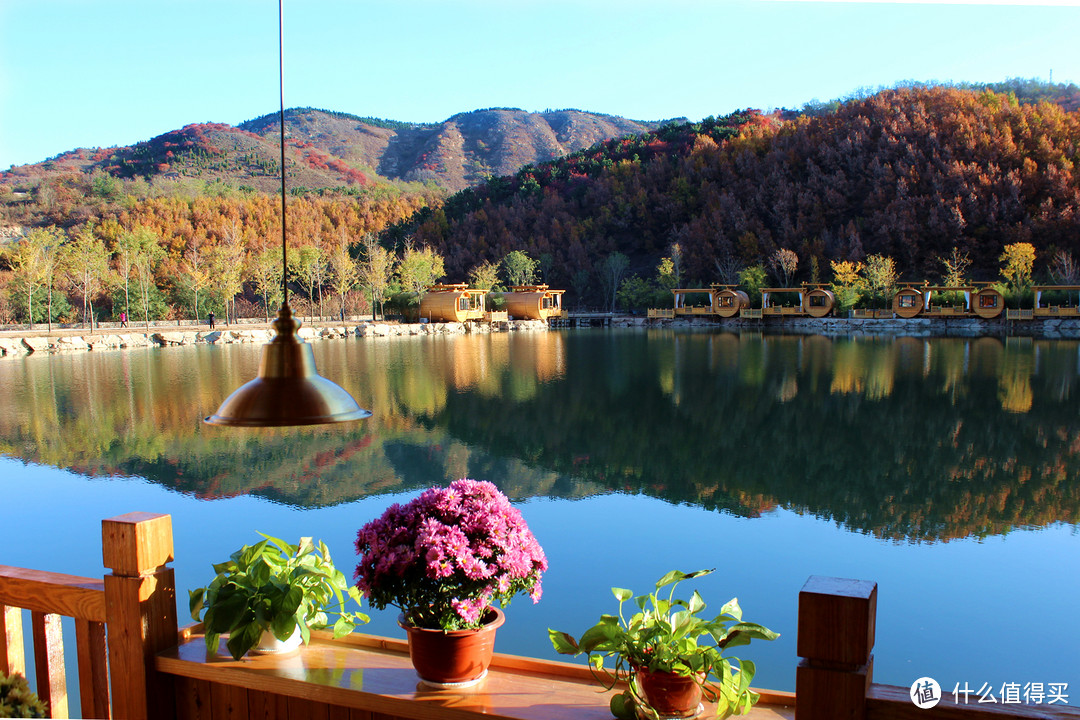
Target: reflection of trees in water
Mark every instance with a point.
(906, 439)
(138, 413)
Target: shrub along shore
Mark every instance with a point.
(16, 342)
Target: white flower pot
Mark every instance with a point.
(270, 645)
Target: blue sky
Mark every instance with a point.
(88, 73)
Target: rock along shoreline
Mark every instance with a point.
(1049, 328)
(14, 345)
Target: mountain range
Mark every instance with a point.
(326, 149)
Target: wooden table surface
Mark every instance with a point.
(375, 674)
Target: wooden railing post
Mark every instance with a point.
(12, 659)
(836, 644)
(140, 612)
(49, 662)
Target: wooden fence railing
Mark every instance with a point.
(1056, 311)
(134, 663)
(48, 597)
(120, 624)
(871, 314)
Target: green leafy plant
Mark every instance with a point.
(668, 635)
(277, 587)
(17, 700)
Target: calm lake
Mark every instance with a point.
(946, 470)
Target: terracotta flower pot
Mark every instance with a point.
(671, 695)
(455, 657)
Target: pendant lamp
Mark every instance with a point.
(288, 390)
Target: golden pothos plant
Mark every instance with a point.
(668, 634)
(277, 587)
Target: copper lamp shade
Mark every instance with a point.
(288, 390)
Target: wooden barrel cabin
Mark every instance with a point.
(533, 302)
(452, 303)
(908, 301)
(988, 302)
(728, 302)
(818, 302)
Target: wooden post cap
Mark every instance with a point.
(136, 543)
(837, 618)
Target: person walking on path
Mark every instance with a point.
(210, 317)
(123, 319)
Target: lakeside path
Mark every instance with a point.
(112, 328)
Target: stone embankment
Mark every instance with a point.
(165, 338)
(1050, 328)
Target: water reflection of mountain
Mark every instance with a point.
(924, 439)
(903, 439)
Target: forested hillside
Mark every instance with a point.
(181, 257)
(915, 183)
(907, 174)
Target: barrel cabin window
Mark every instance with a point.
(727, 301)
(988, 301)
(817, 300)
(907, 301)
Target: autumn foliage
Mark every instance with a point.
(213, 245)
(908, 174)
(921, 177)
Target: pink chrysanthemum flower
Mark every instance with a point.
(449, 553)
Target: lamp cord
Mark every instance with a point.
(281, 87)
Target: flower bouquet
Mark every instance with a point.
(444, 559)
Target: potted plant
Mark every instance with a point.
(444, 560)
(274, 591)
(669, 655)
(17, 700)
